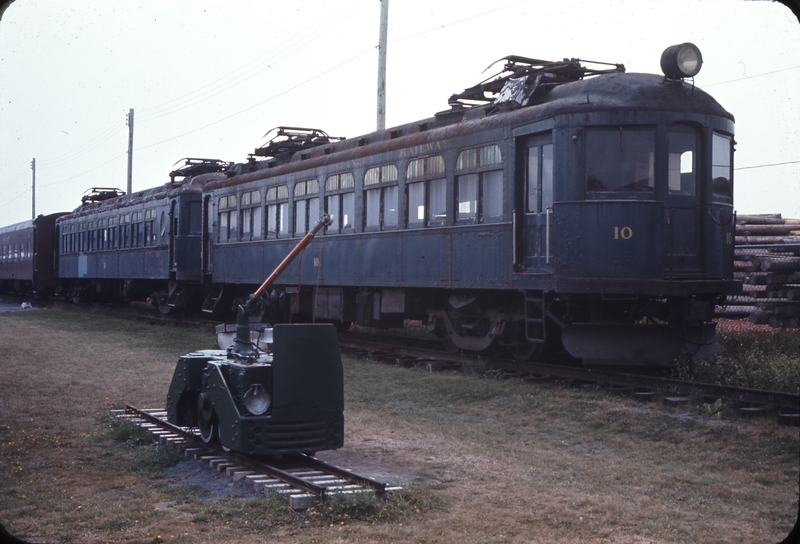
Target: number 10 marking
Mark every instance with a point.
(625, 233)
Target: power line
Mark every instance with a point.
(441, 27)
(228, 83)
(259, 103)
(752, 77)
(85, 148)
(163, 109)
(766, 165)
(86, 172)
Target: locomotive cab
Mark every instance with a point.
(627, 206)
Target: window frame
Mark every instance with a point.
(276, 205)
(337, 188)
(380, 185)
(427, 172)
(477, 165)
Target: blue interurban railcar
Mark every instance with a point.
(554, 205)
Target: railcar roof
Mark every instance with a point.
(168, 190)
(610, 91)
(630, 91)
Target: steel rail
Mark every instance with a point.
(249, 462)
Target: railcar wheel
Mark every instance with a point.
(159, 300)
(526, 351)
(448, 344)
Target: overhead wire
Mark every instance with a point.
(273, 97)
(82, 150)
(766, 165)
(225, 82)
(110, 132)
(441, 27)
(752, 77)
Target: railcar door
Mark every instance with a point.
(684, 203)
(536, 204)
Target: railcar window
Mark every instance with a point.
(437, 202)
(136, 229)
(149, 228)
(277, 211)
(124, 231)
(492, 196)
(82, 238)
(620, 160)
(682, 162)
(479, 195)
(340, 202)
(721, 171)
(226, 209)
(101, 234)
(112, 233)
(416, 204)
(306, 206)
(250, 215)
(426, 197)
(467, 197)
(481, 156)
(380, 210)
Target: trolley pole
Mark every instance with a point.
(33, 189)
(130, 151)
(382, 65)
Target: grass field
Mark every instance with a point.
(484, 460)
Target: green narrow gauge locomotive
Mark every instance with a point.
(287, 399)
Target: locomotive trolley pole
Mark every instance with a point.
(243, 344)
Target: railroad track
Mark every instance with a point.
(785, 407)
(304, 479)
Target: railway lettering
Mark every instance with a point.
(422, 149)
(626, 233)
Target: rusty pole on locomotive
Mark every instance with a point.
(243, 344)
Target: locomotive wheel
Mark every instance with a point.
(206, 419)
(208, 431)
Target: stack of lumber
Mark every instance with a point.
(767, 260)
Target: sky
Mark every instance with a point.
(209, 79)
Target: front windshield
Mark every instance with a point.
(620, 159)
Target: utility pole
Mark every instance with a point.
(130, 151)
(382, 65)
(33, 190)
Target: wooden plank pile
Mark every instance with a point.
(767, 259)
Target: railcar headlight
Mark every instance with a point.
(679, 61)
(257, 399)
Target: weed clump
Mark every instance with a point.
(756, 359)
